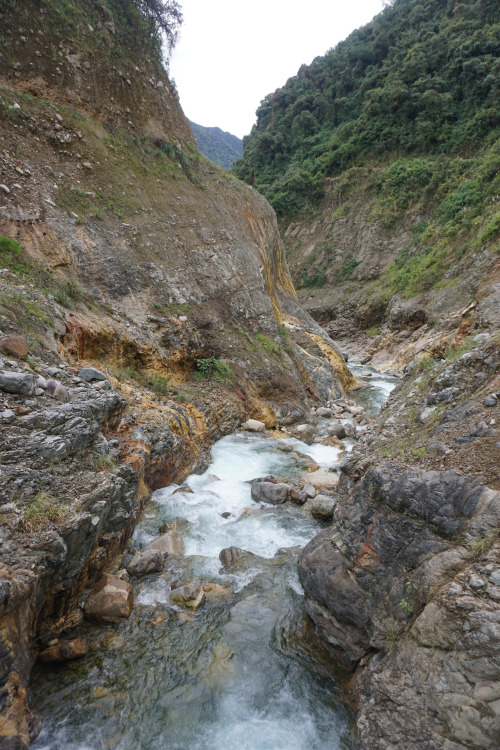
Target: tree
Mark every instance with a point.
(166, 15)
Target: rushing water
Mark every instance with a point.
(236, 674)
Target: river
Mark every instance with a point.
(246, 671)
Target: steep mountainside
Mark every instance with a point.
(382, 161)
(217, 145)
(120, 247)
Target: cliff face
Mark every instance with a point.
(122, 248)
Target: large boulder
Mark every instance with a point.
(253, 425)
(16, 346)
(110, 601)
(269, 492)
(322, 507)
(170, 543)
(90, 373)
(22, 383)
(235, 557)
(337, 430)
(147, 561)
(320, 480)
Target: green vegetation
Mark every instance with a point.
(267, 344)
(158, 384)
(217, 145)
(210, 368)
(403, 114)
(103, 462)
(41, 510)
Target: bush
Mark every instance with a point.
(211, 368)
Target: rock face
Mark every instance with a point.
(65, 651)
(110, 601)
(388, 587)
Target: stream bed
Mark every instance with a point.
(246, 671)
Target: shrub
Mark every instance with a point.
(211, 368)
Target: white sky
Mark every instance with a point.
(231, 54)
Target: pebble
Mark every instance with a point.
(475, 582)
(490, 401)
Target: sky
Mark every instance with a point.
(231, 54)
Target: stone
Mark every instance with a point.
(214, 590)
(337, 430)
(425, 414)
(7, 416)
(148, 561)
(188, 596)
(268, 492)
(324, 412)
(490, 401)
(5, 189)
(110, 601)
(90, 373)
(319, 480)
(285, 448)
(170, 543)
(322, 507)
(495, 578)
(350, 430)
(21, 383)
(16, 346)
(310, 490)
(299, 497)
(475, 581)
(65, 651)
(253, 425)
(235, 557)
(57, 390)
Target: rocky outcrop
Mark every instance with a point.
(403, 585)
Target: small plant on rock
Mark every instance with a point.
(41, 510)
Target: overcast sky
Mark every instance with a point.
(231, 54)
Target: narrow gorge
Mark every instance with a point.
(230, 511)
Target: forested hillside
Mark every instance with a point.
(217, 145)
(405, 112)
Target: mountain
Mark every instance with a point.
(382, 161)
(217, 145)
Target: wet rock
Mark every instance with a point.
(88, 374)
(21, 383)
(177, 524)
(215, 590)
(285, 448)
(65, 651)
(188, 596)
(17, 346)
(299, 497)
(322, 507)
(319, 480)
(226, 514)
(170, 543)
(253, 425)
(268, 492)
(310, 490)
(235, 557)
(148, 561)
(110, 601)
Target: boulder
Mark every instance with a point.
(16, 346)
(337, 430)
(253, 425)
(214, 590)
(65, 651)
(319, 480)
(268, 492)
(350, 430)
(322, 507)
(188, 596)
(147, 561)
(90, 373)
(22, 383)
(324, 412)
(310, 490)
(170, 543)
(110, 601)
(234, 557)
(57, 390)
(299, 497)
